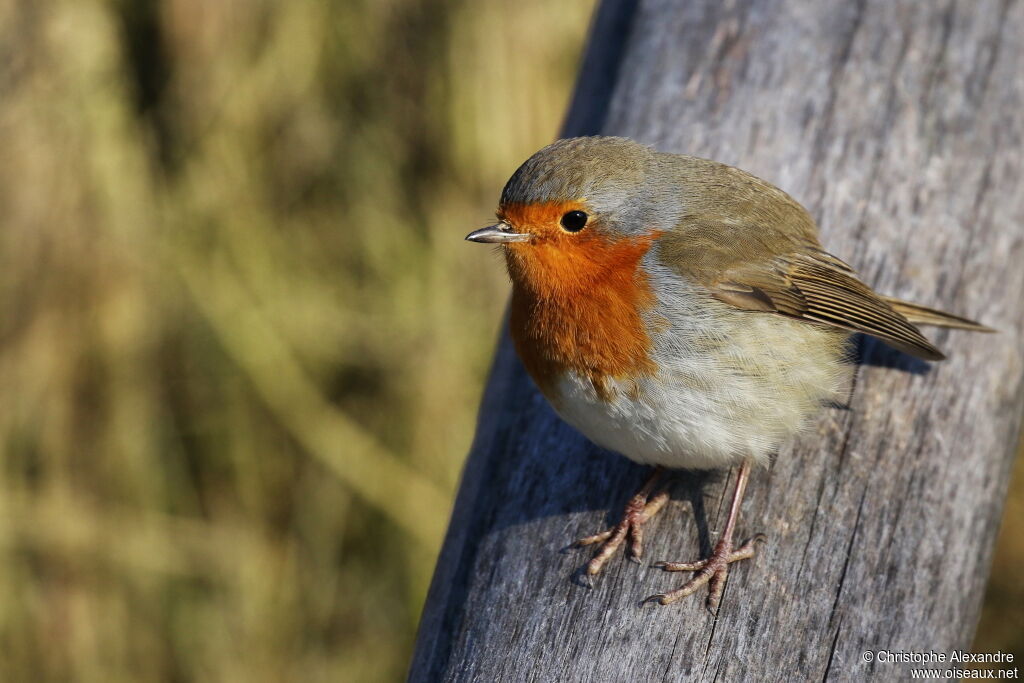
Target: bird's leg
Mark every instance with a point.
(639, 509)
(714, 569)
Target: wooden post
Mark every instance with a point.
(900, 125)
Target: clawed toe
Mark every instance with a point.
(744, 552)
(712, 570)
(638, 511)
(681, 566)
(596, 538)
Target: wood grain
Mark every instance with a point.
(899, 125)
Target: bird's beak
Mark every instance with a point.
(500, 233)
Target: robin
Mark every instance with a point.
(681, 312)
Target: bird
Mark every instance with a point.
(682, 313)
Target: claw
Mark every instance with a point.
(712, 570)
(591, 540)
(682, 566)
(638, 511)
(658, 598)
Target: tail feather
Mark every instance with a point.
(922, 315)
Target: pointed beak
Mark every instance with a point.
(500, 233)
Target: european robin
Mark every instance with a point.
(682, 313)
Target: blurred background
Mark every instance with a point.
(242, 343)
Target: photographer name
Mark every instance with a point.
(955, 657)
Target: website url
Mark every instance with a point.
(964, 674)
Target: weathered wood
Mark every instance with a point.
(900, 126)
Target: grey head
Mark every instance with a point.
(610, 175)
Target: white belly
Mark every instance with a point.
(720, 395)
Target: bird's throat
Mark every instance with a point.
(580, 306)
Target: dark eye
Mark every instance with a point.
(574, 221)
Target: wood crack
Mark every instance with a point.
(849, 556)
(832, 650)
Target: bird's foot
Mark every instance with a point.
(712, 571)
(639, 510)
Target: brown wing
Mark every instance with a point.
(813, 285)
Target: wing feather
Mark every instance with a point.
(816, 286)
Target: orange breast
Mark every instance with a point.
(577, 300)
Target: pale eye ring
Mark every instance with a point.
(574, 221)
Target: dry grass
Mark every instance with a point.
(243, 341)
(243, 344)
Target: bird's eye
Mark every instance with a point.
(574, 221)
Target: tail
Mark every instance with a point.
(922, 315)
